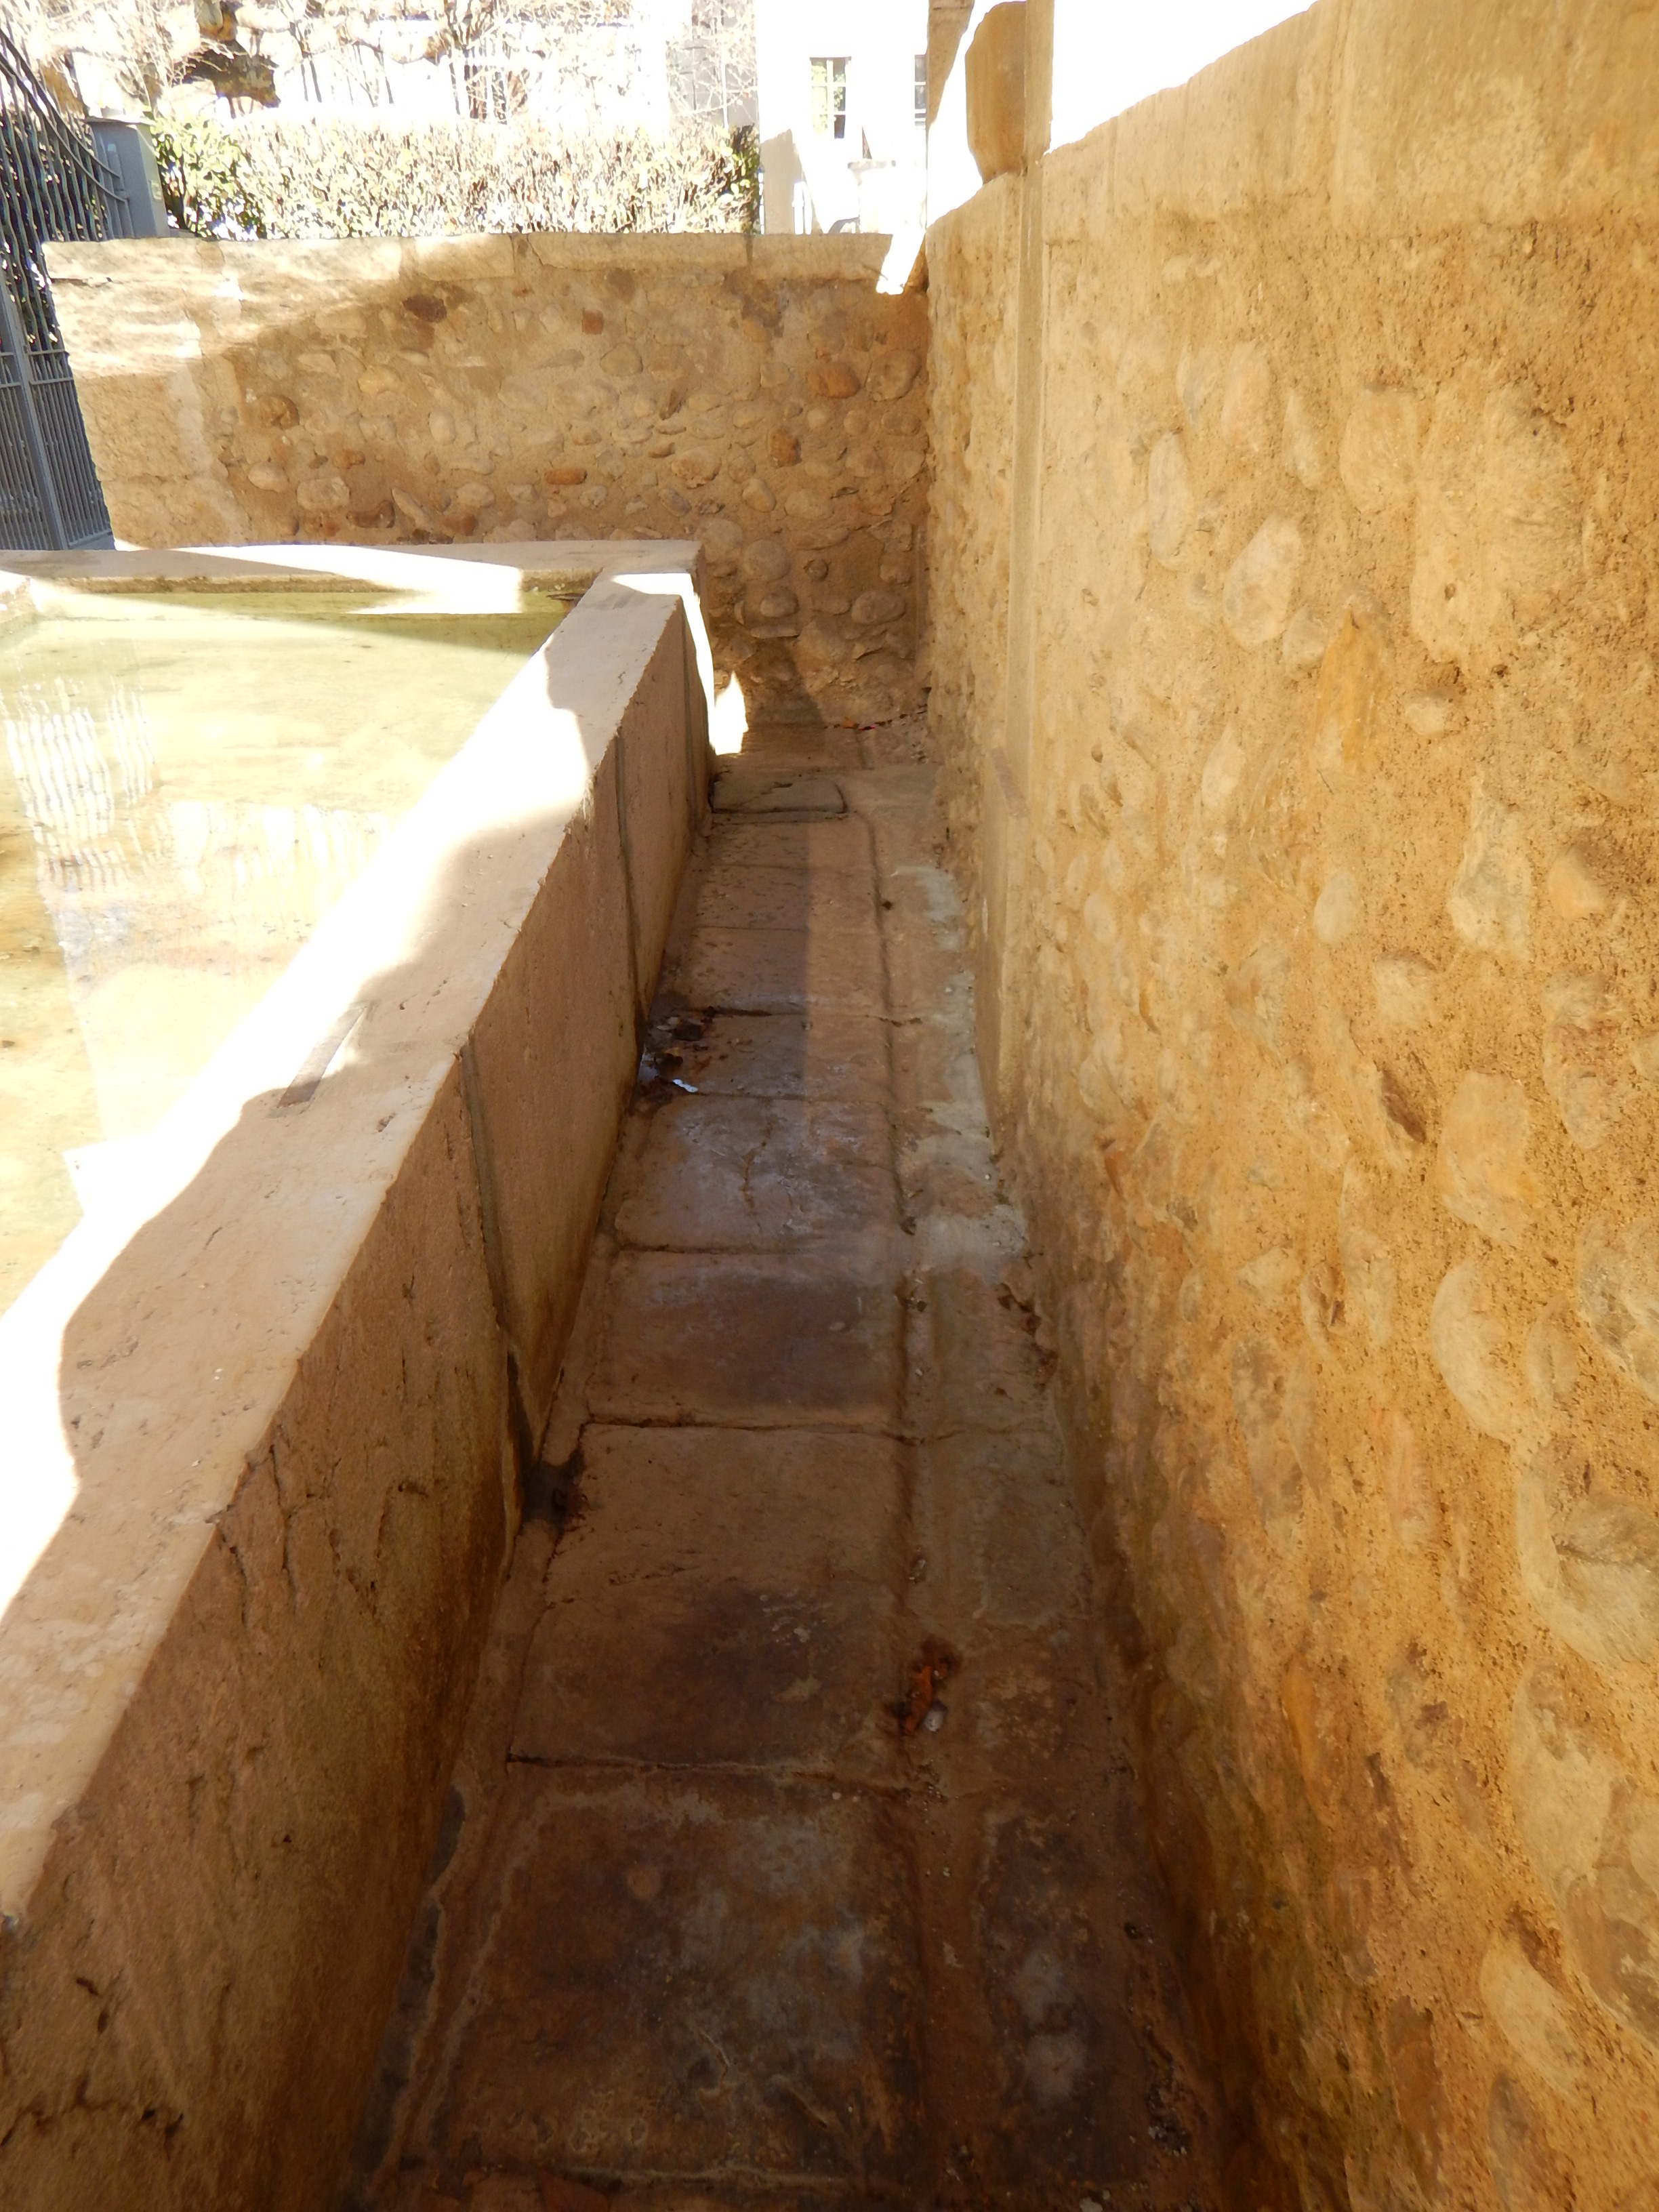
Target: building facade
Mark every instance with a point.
(842, 90)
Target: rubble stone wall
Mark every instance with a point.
(1319, 901)
(758, 394)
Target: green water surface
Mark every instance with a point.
(188, 781)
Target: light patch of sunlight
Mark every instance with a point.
(903, 260)
(1107, 60)
(477, 587)
(676, 584)
(102, 1172)
(486, 811)
(40, 1482)
(729, 723)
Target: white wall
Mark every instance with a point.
(1107, 55)
(881, 39)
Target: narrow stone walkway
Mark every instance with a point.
(794, 1850)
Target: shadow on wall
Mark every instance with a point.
(759, 394)
(780, 173)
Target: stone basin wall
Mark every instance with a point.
(1304, 778)
(758, 394)
(271, 1406)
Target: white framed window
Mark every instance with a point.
(921, 92)
(829, 95)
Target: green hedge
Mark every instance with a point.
(342, 179)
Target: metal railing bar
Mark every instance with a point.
(54, 184)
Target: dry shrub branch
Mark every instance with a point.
(342, 179)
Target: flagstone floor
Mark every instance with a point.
(795, 1854)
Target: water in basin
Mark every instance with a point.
(188, 780)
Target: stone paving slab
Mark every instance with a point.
(824, 1054)
(757, 897)
(996, 1522)
(508, 2190)
(841, 847)
(973, 1362)
(1018, 1709)
(941, 1170)
(835, 963)
(933, 1065)
(1039, 1985)
(708, 1978)
(920, 893)
(798, 746)
(784, 1343)
(718, 1174)
(727, 2197)
(774, 1562)
(784, 789)
(920, 977)
(894, 805)
(927, 959)
(736, 1929)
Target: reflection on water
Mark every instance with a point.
(188, 783)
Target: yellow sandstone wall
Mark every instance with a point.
(759, 395)
(972, 267)
(1314, 859)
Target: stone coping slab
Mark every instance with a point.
(266, 1406)
(850, 257)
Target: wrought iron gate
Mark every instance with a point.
(52, 185)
